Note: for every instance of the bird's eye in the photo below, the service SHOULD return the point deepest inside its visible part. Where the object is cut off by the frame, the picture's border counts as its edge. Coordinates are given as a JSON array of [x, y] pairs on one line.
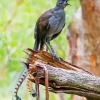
[[60, 2], [65, 2]]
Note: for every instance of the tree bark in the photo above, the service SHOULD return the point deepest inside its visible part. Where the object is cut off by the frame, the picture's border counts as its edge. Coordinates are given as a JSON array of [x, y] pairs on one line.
[[69, 81], [64, 77], [91, 20], [83, 36]]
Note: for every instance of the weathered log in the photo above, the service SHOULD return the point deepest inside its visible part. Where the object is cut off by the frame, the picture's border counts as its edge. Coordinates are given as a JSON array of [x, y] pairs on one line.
[[63, 76], [72, 82]]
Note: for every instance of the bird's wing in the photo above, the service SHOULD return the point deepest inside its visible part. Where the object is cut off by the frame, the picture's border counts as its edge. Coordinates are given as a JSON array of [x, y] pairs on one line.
[[59, 22], [55, 35], [42, 25]]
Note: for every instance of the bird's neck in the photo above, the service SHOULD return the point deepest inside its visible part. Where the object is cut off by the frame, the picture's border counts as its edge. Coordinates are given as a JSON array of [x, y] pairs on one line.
[[58, 7]]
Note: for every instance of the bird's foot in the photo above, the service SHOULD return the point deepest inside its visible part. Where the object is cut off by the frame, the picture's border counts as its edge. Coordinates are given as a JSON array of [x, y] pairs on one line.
[[18, 98], [56, 58]]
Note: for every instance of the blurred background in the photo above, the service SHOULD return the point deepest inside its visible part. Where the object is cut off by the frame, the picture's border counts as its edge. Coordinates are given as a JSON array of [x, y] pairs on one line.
[[17, 22]]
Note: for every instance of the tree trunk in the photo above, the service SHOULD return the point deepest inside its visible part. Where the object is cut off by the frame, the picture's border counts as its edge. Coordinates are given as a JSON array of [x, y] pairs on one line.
[[91, 20], [84, 37]]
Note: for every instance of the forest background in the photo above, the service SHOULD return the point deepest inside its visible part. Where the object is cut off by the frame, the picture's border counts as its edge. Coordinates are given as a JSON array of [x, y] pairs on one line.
[[17, 22]]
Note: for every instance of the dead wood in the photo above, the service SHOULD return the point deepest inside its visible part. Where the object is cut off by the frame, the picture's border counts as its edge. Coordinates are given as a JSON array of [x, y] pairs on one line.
[[63, 76]]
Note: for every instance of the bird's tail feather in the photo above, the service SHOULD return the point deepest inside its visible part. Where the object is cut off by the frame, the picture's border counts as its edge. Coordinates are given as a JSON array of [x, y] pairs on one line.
[[38, 45]]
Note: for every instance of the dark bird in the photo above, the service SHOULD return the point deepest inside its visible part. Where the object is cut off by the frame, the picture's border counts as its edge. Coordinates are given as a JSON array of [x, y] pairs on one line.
[[49, 26]]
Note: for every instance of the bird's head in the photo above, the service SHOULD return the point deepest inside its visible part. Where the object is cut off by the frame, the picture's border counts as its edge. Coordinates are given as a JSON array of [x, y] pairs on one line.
[[62, 3]]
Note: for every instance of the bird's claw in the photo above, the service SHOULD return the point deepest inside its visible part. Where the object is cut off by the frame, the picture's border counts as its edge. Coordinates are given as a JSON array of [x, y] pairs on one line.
[[56, 58]]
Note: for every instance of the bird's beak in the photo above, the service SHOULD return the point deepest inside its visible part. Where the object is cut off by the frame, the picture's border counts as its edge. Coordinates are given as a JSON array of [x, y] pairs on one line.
[[68, 4]]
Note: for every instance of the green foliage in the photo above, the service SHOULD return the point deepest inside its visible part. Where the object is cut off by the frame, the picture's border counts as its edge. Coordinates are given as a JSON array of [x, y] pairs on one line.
[[17, 22]]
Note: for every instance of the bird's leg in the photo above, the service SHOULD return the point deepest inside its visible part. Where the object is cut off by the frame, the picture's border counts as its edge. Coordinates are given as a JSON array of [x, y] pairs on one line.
[[47, 46], [47, 49], [50, 48], [55, 57]]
